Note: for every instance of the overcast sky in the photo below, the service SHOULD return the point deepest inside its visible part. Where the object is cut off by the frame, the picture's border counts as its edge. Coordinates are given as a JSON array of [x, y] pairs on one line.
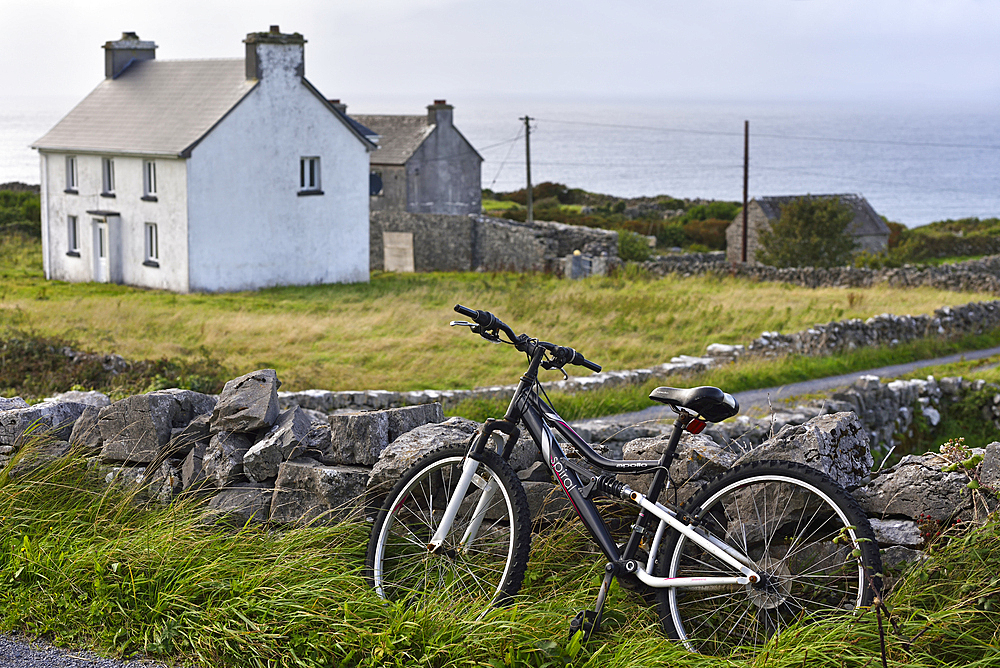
[[361, 50]]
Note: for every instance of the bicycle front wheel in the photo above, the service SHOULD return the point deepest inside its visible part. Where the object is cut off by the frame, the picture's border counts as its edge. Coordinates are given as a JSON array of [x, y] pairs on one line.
[[483, 558], [804, 534]]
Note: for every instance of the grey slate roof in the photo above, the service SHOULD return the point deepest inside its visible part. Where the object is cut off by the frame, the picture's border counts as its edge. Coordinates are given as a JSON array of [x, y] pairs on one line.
[[866, 222], [399, 136], [158, 107]]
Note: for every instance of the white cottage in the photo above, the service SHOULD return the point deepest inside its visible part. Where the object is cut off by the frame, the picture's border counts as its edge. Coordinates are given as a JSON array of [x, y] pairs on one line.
[[206, 175]]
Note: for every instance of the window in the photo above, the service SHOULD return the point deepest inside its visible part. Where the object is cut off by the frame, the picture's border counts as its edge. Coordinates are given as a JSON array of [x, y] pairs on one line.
[[152, 246], [107, 177], [309, 183], [71, 174], [72, 236], [149, 180], [375, 186]]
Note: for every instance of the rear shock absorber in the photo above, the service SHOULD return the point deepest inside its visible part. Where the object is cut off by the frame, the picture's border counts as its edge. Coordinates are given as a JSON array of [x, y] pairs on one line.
[[609, 486]]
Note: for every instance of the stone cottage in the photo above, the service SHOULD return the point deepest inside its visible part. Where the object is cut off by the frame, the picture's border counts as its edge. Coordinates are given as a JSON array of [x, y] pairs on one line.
[[868, 229], [205, 175], [423, 164]]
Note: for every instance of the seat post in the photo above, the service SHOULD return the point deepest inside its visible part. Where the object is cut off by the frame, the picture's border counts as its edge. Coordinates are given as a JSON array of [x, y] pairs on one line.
[[656, 486]]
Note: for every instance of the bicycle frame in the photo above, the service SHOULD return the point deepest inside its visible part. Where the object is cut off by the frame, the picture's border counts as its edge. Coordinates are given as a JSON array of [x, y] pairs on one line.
[[540, 419]]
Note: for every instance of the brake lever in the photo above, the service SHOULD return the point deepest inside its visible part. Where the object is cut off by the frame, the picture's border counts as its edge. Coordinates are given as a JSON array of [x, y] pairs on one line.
[[462, 323]]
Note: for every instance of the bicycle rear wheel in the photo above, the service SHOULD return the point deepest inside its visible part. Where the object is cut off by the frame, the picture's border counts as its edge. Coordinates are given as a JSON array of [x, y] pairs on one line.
[[808, 539], [468, 574]]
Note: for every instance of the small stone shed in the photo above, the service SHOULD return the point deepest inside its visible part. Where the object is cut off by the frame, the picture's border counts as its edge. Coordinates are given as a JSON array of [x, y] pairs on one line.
[[869, 230]]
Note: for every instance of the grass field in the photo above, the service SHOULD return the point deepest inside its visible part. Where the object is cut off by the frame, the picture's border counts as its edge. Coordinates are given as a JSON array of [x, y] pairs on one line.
[[84, 566], [391, 333]]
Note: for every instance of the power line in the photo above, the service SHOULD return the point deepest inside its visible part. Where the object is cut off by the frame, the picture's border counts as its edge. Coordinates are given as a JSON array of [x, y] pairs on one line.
[[889, 142], [504, 161]]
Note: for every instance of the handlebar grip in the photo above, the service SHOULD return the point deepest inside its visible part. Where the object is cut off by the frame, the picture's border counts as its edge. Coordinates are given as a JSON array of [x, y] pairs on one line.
[[467, 312], [570, 356], [580, 360]]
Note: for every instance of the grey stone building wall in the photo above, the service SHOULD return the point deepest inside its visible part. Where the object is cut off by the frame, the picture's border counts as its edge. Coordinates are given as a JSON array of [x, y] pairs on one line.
[[466, 243], [444, 174], [393, 196], [734, 234]]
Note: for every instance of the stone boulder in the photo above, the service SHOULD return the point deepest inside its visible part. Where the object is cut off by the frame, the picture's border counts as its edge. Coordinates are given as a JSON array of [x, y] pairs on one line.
[[90, 398], [86, 434], [240, 505], [37, 457], [409, 447], [307, 491], [12, 403], [357, 439], [248, 403], [184, 439], [54, 419], [697, 461], [917, 488], [223, 460], [547, 502], [192, 471], [836, 444], [897, 532], [137, 429], [408, 418], [990, 472]]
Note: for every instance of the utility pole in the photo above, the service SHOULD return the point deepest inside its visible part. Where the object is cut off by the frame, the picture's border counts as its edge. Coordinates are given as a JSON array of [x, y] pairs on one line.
[[746, 181], [527, 159]]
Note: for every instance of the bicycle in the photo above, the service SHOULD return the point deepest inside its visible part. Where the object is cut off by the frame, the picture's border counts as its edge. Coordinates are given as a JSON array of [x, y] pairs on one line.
[[763, 546]]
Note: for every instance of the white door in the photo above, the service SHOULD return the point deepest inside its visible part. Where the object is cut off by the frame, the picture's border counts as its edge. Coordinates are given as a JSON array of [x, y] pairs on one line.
[[102, 273]]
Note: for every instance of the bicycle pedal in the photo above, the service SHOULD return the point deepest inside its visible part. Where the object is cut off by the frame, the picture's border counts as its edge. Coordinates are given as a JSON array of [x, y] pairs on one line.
[[585, 620]]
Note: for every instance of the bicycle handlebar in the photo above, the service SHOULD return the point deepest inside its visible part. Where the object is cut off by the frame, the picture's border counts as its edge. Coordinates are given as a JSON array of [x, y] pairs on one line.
[[561, 355]]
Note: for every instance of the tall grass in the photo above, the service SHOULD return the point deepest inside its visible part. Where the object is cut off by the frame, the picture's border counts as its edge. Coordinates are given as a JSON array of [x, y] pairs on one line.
[[87, 566], [391, 333]]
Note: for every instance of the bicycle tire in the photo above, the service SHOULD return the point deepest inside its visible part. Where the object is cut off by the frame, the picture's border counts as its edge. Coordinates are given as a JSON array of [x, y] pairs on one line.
[[808, 538], [401, 568]]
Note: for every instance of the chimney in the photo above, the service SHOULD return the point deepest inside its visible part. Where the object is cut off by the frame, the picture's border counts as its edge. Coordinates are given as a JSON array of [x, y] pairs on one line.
[[122, 53], [272, 52], [339, 106], [439, 113]]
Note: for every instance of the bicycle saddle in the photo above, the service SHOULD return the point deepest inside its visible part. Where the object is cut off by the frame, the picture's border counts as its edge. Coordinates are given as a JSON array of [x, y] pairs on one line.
[[709, 402]]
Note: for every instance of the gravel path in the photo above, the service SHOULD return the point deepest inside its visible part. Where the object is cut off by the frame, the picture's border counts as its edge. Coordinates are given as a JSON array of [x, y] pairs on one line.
[[21, 652]]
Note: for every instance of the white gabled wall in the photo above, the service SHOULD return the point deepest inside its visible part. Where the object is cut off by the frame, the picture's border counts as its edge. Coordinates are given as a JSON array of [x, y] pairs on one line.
[[248, 226], [127, 242]]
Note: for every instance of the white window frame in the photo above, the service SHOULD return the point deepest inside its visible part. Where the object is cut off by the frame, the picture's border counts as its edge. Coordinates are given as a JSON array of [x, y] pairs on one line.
[[151, 236], [108, 177], [149, 179], [309, 176], [71, 174], [73, 236]]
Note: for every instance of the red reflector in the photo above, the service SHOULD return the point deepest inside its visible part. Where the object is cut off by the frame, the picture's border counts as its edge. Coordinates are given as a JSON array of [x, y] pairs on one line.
[[695, 426]]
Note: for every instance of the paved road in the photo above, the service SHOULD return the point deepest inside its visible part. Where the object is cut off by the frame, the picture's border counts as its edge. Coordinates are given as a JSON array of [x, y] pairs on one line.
[[759, 398]]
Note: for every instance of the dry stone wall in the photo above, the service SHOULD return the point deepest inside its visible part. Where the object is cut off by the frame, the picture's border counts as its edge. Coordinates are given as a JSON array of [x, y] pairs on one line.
[[477, 242], [820, 339], [982, 275], [254, 461]]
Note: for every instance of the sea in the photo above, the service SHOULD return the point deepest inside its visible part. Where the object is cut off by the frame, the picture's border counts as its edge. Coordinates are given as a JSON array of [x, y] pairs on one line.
[[916, 162]]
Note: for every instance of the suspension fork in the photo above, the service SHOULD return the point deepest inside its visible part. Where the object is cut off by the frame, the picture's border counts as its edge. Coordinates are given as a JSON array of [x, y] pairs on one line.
[[469, 468]]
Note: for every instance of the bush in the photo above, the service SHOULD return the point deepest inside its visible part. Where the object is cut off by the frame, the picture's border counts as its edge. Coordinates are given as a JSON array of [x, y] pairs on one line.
[[811, 232], [713, 210], [19, 207], [633, 247], [710, 232], [672, 234]]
